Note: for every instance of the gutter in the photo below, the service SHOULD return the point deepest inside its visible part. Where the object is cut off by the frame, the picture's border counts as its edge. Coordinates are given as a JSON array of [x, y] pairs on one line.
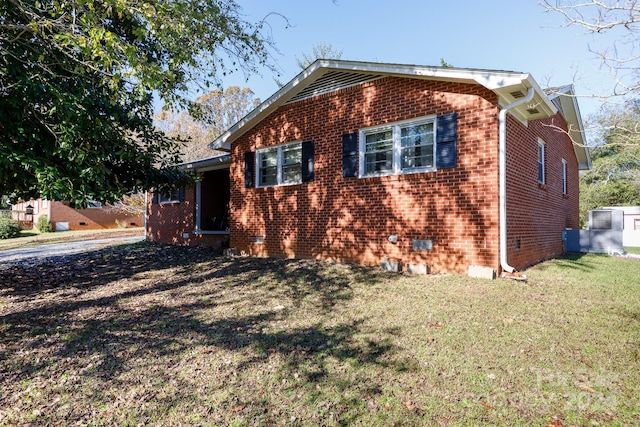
[[502, 119]]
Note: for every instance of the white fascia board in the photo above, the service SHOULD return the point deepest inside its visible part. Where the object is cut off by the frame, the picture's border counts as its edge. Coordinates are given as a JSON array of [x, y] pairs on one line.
[[222, 142], [211, 163], [488, 78], [571, 109], [496, 81]]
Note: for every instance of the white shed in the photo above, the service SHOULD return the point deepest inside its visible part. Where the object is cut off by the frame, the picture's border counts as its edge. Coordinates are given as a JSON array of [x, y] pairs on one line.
[[631, 230]]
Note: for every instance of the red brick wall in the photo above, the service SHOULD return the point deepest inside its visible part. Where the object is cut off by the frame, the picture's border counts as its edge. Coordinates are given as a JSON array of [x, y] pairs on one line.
[[175, 223], [89, 219], [537, 214], [350, 219]]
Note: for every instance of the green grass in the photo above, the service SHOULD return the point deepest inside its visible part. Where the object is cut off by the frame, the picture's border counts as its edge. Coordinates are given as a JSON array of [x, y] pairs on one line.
[[180, 336], [632, 250]]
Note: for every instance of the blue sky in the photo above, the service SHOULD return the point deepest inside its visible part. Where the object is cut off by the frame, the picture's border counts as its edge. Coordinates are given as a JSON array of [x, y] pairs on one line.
[[515, 35]]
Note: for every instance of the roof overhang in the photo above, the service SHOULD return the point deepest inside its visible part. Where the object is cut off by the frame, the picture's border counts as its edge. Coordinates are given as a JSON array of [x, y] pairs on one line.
[[212, 163], [324, 76], [567, 100]]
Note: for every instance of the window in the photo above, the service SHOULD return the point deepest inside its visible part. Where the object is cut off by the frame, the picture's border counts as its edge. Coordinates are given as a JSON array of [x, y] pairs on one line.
[[636, 224], [172, 197], [280, 165], [600, 220], [45, 204], [541, 161], [94, 205], [564, 176], [403, 147]]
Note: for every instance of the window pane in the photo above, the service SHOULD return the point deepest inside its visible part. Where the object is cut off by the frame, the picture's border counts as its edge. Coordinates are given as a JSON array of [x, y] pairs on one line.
[[380, 141], [292, 154], [541, 163], [268, 158], [417, 146], [268, 176], [269, 167], [292, 173], [292, 167], [378, 162], [378, 152], [417, 157], [417, 135]]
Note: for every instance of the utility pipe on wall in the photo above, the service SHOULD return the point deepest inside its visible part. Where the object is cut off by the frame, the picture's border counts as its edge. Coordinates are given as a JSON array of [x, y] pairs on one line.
[[502, 119]]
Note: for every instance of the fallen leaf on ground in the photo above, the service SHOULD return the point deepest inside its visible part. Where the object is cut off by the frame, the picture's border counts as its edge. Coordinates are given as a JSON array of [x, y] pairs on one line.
[[487, 405], [585, 387]]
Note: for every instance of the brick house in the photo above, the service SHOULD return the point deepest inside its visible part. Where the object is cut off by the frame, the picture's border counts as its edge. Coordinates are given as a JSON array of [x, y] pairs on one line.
[[438, 169], [63, 217]]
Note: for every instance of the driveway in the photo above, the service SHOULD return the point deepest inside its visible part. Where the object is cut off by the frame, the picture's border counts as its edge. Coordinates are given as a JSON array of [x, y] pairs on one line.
[[61, 249]]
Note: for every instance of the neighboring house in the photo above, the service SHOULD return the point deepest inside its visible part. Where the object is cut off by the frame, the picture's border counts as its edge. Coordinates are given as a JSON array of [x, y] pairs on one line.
[[631, 224], [64, 218], [436, 168]]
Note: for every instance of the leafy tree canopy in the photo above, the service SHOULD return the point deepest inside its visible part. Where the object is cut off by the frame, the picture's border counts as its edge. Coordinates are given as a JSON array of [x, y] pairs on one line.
[[614, 179], [77, 86], [212, 114]]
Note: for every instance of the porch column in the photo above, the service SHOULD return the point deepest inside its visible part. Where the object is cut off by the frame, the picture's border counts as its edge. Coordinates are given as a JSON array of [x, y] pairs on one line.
[[198, 203]]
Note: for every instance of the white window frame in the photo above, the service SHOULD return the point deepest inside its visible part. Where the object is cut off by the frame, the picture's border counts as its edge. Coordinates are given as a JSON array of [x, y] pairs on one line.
[[94, 205], [396, 129], [173, 197], [540, 163], [280, 166], [564, 177]]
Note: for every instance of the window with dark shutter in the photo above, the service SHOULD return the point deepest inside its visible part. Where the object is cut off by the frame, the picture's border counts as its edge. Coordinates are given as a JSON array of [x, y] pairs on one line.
[[350, 155]]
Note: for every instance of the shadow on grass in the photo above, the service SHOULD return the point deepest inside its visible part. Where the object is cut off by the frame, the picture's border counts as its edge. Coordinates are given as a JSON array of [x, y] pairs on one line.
[[146, 302], [571, 261], [25, 233]]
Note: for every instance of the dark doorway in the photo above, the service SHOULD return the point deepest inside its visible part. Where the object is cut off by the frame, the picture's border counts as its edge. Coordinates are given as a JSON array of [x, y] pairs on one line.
[[214, 207]]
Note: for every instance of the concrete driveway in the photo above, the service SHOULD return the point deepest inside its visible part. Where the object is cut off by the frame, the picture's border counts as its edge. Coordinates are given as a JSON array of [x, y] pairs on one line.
[[61, 249]]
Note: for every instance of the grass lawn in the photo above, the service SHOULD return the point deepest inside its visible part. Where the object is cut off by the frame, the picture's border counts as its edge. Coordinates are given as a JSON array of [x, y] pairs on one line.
[[32, 238], [632, 250], [154, 335]]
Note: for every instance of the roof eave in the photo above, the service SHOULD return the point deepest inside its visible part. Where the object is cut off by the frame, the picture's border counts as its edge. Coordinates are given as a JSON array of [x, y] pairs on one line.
[[503, 83], [210, 163], [571, 111]]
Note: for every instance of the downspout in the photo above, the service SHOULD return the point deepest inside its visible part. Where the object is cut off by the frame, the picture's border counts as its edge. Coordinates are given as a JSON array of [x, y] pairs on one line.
[[502, 119]]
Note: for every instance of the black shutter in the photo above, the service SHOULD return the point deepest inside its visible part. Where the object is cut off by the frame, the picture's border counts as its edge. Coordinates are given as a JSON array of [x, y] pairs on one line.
[[307, 161], [446, 127], [154, 199], [181, 194], [249, 169], [350, 155]]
